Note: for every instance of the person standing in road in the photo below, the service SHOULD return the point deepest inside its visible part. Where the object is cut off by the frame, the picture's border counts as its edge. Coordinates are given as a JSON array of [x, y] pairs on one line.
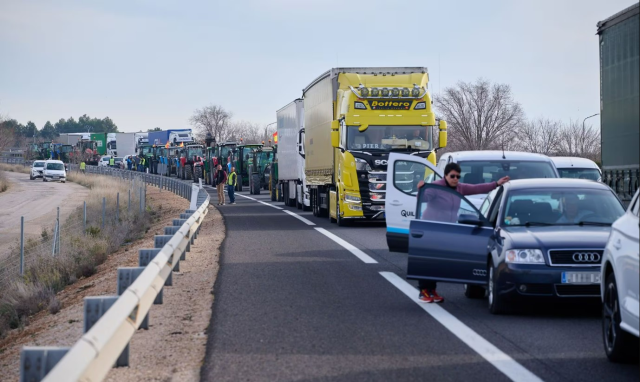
[[83, 166], [232, 182], [443, 207], [221, 179], [112, 162]]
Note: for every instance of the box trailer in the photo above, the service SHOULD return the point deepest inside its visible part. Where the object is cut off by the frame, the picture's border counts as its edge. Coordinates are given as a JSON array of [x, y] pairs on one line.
[[291, 157]]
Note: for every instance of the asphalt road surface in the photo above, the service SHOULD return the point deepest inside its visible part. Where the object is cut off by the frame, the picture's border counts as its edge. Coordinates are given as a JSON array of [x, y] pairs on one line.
[[293, 304]]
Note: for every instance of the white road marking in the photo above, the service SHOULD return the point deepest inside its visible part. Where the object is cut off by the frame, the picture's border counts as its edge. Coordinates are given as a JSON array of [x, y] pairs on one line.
[[484, 348], [268, 204], [306, 221], [358, 253]]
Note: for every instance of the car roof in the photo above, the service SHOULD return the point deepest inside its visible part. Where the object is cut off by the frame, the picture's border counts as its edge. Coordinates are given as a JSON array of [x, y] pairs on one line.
[[567, 162], [53, 161], [497, 155], [522, 184]]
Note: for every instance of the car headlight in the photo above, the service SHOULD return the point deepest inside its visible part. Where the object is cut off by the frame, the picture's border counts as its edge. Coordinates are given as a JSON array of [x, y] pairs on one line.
[[362, 165], [525, 256]]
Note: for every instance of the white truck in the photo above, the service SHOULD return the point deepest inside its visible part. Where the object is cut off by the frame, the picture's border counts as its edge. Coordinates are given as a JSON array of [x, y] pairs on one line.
[[291, 156], [125, 144]]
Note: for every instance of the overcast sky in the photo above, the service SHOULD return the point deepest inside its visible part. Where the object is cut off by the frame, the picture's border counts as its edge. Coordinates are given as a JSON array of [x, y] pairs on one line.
[[148, 63]]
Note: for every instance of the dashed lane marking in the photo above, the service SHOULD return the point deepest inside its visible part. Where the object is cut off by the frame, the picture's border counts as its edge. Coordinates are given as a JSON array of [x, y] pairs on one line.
[[306, 221], [358, 253]]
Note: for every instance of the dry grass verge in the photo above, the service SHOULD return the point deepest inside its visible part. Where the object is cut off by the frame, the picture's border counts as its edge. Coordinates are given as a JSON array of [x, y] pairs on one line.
[[66, 327], [4, 183], [82, 251], [15, 168]]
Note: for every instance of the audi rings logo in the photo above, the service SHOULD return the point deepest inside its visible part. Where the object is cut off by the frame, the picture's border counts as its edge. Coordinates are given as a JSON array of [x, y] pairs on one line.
[[586, 257], [479, 272]]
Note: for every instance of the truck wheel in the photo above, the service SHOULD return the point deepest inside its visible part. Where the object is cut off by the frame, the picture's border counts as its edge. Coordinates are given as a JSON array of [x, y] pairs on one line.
[[255, 180], [339, 220]]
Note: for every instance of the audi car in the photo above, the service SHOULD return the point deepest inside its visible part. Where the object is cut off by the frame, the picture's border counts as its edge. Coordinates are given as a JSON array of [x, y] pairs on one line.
[[530, 239]]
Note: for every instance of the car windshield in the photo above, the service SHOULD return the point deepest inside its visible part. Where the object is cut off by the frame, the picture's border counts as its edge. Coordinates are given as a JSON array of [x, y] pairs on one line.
[[38, 164], [476, 172], [105, 159], [55, 166], [118, 160], [580, 173], [561, 206], [389, 137]]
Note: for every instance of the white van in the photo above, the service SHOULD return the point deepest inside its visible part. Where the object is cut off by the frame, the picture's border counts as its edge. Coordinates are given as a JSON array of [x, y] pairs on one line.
[[405, 171], [54, 171], [576, 167]]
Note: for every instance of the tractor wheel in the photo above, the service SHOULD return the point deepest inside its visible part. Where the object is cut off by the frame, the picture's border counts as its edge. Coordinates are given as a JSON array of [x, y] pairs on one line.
[[198, 174], [255, 180], [188, 172]]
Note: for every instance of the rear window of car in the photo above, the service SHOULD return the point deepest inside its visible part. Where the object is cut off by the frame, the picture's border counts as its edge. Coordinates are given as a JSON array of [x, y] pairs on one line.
[[55, 166], [476, 172], [105, 159]]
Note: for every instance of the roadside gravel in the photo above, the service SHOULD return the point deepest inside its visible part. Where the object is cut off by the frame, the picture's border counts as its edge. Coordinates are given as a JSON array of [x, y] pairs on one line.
[[174, 346]]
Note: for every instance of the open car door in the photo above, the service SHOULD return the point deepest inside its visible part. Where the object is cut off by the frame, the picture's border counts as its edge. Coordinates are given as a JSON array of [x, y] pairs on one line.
[[404, 172], [449, 238]]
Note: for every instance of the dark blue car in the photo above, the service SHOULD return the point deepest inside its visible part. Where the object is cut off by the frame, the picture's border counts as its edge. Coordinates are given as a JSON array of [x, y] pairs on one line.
[[539, 238]]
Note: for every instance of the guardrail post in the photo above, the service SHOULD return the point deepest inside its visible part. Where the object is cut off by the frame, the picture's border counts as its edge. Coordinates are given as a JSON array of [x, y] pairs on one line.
[[94, 308], [146, 255], [172, 231], [21, 245], [126, 277], [117, 207], [160, 241], [37, 361]]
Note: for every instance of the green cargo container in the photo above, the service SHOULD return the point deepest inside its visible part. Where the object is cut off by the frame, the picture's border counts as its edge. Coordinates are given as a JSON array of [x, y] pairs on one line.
[[101, 142], [619, 38]]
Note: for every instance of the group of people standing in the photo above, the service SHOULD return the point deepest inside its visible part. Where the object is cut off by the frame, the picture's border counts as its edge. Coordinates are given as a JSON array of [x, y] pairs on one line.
[[223, 179]]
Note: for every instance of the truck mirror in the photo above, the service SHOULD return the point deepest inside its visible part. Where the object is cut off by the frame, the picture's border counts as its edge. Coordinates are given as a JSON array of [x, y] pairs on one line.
[[442, 135], [363, 128], [335, 138]]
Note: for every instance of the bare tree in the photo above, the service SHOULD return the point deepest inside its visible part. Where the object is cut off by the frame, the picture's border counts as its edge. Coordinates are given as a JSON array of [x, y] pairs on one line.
[[577, 139], [212, 119], [249, 132], [540, 136], [7, 134], [480, 115]]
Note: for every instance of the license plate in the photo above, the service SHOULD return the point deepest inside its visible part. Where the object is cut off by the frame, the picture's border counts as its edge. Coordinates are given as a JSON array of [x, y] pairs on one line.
[[581, 277]]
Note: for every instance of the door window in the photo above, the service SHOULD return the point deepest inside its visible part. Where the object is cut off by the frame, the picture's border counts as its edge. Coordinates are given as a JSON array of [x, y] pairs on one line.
[[442, 204], [407, 174], [634, 209]]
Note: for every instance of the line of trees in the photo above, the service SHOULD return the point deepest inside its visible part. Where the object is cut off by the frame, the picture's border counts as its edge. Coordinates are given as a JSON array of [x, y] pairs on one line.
[[218, 122], [485, 116]]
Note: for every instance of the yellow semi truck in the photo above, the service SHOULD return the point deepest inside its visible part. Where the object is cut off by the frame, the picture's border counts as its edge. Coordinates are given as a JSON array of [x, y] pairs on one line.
[[353, 119]]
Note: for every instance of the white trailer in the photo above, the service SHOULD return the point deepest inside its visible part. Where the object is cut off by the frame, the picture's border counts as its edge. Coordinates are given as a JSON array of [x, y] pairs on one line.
[[291, 156], [125, 144]]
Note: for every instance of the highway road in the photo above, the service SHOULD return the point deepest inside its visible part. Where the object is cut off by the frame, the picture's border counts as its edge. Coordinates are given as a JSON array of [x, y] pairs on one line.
[[293, 301]]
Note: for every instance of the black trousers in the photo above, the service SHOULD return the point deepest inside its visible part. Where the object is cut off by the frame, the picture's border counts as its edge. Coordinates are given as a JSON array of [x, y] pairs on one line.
[[427, 284]]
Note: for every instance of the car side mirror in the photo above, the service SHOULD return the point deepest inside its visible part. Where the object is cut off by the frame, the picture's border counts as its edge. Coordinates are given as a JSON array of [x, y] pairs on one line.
[[470, 220]]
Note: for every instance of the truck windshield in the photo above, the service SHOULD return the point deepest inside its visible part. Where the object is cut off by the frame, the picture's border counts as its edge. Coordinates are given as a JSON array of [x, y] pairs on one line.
[[147, 150], [476, 172], [390, 137], [195, 151]]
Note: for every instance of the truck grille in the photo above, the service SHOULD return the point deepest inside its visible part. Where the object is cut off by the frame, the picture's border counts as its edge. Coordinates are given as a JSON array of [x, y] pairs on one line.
[[580, 257], [578, 290]]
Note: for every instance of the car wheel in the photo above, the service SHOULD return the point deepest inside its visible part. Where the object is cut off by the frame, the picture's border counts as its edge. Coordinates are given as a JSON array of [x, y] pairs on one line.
[[43, 179], [31, 177], [474, 291], [620, 346], [496, 303]]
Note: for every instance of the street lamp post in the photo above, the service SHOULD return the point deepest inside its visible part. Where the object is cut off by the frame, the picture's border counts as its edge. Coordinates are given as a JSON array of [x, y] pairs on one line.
[[588, 118]]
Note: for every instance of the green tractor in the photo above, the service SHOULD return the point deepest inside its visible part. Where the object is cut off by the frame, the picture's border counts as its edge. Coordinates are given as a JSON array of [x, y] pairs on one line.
[[147, 152], [260, 167]]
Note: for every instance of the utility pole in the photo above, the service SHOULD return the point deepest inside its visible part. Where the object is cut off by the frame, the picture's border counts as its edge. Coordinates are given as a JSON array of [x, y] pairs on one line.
[[588, 118]]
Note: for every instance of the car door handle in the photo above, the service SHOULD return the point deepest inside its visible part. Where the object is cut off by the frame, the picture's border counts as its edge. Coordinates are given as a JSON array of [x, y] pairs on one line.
[[395, 203], [417, 234]]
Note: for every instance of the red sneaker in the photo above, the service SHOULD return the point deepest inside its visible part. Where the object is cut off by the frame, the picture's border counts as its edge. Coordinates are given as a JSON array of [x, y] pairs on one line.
[[425, 296], [436, 297]]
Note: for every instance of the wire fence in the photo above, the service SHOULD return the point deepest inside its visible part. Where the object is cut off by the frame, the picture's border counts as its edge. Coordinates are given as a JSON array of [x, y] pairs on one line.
[[52, 235]]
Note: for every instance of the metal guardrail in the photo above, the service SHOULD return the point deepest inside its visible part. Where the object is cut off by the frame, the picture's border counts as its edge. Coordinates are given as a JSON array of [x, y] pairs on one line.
[[105, 342], [623, 182]]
